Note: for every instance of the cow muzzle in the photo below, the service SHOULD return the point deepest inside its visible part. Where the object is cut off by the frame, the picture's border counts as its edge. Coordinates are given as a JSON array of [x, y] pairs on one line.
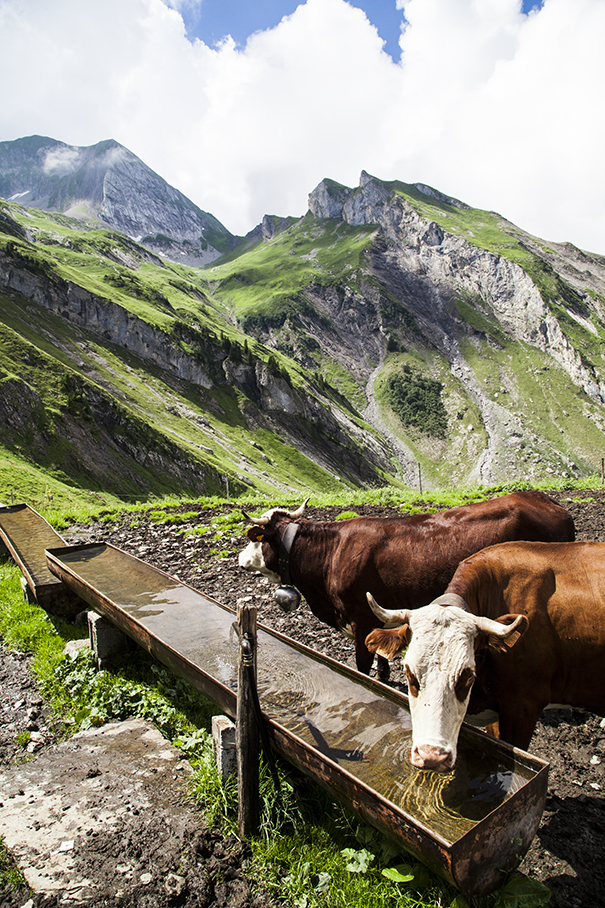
[[430, 756]]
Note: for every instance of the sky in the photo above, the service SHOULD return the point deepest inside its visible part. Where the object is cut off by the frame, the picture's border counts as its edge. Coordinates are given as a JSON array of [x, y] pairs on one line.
[[246, 105]]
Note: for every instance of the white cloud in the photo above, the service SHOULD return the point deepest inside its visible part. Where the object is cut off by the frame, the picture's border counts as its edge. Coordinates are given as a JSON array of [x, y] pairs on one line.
[[61, 161], [500, 109]]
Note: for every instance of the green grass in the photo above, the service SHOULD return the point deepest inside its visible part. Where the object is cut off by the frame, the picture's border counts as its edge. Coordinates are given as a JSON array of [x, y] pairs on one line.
[[268, 281], [444, 462], [170, 419], [205, 423], [11, 878]]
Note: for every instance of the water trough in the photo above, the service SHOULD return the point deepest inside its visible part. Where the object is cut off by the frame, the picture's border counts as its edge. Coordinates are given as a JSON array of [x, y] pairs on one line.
[[348, 732], [26, 534]]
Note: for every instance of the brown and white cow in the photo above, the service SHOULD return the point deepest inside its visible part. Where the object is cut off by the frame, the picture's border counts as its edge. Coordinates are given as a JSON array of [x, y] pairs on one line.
[[520, 626], [403, 561]]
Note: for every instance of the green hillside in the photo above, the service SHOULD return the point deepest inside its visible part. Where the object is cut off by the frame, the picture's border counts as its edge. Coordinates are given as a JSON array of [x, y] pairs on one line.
[[335, 354], [78, 394]]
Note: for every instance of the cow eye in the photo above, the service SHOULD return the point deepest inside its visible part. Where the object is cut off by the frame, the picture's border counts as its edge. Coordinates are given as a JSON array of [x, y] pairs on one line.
[[413, 683], [464, 684]]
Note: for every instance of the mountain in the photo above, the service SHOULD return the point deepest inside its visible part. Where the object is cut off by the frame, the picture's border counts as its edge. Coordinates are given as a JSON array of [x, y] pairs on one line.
[[107, 184], [391, 334]]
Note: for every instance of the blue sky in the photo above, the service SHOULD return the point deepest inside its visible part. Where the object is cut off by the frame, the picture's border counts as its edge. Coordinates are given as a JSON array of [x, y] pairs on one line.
[[494, 103], [215, 19], [240, 18]]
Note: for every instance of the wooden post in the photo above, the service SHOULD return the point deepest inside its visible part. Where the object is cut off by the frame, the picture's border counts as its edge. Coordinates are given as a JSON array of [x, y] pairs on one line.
[[420, 479], [246, 729], [602, 470]]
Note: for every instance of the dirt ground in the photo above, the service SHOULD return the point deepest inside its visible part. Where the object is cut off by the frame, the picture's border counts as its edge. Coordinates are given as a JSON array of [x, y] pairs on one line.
[[568, 849]]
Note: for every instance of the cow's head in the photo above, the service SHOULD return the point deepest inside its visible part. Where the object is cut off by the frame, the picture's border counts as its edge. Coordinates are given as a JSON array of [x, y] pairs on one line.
[[264, 531], [441, 640]]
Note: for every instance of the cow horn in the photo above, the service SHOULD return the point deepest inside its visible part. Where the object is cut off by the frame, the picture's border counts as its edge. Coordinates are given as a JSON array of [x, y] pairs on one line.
[[507, 633], [390, 618], [299, 511], [258, 521], [265, 518]]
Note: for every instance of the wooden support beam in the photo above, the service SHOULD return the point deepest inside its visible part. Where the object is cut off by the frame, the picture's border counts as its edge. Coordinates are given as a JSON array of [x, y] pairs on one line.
[[246, 727]]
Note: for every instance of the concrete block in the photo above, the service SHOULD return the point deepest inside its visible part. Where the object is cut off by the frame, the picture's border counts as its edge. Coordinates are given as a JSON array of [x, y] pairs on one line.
[[223, 740], [106, 640]]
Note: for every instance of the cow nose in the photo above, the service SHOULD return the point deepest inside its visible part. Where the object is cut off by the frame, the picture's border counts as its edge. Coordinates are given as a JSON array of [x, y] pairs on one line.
[[429, 756]]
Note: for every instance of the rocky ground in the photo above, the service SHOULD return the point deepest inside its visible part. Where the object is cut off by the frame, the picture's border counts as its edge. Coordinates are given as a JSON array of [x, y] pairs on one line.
[[567, 852]]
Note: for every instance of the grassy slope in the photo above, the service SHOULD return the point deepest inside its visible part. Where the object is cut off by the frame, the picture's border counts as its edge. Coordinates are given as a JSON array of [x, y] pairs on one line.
[[206, 424], [269, 278], [267, 282]]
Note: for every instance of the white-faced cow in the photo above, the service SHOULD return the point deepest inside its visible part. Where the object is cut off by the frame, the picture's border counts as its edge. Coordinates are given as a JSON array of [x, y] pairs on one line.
[[404, 561], [521, 626]]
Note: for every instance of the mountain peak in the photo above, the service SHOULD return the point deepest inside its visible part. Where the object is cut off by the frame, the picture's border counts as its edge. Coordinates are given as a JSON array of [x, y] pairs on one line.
[[108, 184]]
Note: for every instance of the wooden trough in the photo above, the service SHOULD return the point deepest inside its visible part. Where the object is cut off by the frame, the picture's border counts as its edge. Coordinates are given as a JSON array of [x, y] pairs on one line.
[[26, 534], [349, 733]]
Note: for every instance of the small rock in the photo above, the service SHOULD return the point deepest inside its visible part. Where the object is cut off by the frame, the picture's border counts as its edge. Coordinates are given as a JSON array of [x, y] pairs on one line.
[[174, 884], [124, 868], [64, 846], [73, 647]]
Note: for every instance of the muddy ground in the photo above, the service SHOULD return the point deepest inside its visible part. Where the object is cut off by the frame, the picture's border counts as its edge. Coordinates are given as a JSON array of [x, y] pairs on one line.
[[566, 855]]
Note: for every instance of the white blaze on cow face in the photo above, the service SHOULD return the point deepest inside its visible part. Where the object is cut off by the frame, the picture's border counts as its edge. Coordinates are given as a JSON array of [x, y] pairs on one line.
[[440, 666], [251, 559]]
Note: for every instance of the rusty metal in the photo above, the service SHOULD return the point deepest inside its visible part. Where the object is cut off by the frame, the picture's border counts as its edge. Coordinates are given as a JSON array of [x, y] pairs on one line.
[[26, 534], [346, 731]]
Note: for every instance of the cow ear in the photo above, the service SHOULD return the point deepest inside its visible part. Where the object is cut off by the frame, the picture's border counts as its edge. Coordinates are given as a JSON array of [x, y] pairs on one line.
[[389, 643], [258, 534], [503, 638]]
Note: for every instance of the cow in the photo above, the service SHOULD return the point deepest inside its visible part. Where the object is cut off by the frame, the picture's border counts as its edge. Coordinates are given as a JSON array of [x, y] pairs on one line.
[[404, 561], [520, 626]]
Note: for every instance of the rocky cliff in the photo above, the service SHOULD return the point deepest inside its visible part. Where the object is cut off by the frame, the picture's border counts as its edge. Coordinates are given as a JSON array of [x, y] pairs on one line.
[[447, 265], [463, 298]]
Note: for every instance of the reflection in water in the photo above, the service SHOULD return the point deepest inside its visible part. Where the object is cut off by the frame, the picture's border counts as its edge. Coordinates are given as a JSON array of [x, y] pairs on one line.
[[365, 732], [332, 753]]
